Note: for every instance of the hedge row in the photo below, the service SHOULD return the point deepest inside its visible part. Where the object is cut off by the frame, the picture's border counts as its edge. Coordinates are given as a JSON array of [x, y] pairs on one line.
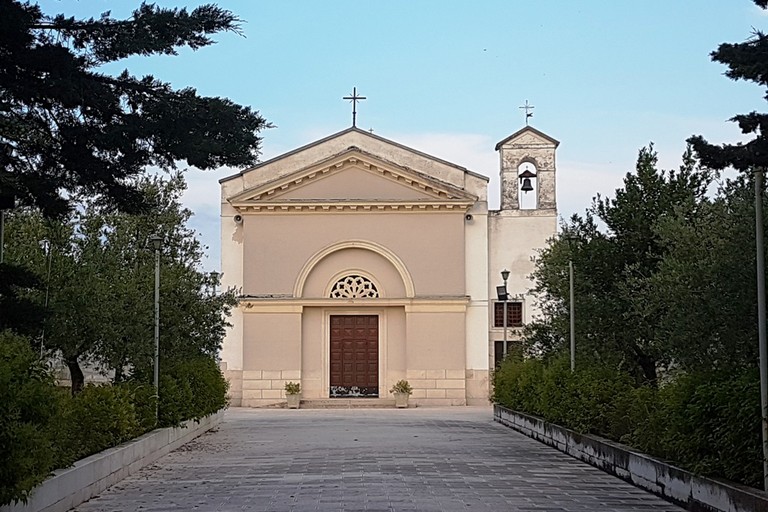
[[43, 428], [708, 423]]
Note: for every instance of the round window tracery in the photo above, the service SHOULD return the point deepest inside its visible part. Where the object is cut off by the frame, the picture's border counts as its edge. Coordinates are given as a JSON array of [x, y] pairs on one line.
[[354, 287]]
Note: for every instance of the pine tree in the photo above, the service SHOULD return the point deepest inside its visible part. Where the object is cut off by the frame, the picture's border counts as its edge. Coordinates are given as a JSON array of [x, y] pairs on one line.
[[745, 61], [68, 129]]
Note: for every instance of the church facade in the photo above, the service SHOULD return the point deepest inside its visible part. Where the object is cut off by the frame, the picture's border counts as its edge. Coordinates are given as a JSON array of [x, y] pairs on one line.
[[360, 262]]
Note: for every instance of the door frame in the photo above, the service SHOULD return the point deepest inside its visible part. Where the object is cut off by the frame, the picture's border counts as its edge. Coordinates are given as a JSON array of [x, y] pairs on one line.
[[326, 326]]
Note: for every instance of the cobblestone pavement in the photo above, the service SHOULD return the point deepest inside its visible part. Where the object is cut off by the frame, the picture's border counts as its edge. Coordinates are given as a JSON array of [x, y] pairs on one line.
[[442, 459]]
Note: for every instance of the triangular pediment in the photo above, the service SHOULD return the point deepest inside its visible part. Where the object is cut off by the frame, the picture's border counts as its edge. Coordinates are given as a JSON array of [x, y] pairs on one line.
[[528, 136], [349, 180]]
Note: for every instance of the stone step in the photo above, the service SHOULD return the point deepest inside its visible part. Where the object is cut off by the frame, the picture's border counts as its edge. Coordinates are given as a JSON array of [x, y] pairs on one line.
[[348, 403]]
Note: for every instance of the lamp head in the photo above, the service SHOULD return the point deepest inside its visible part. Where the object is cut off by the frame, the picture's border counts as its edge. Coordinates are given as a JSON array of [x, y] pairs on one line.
[[156, 241], [505, 274]]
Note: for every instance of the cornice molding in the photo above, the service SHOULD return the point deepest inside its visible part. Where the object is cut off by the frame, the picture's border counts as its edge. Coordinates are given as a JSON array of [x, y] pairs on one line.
[[352, 206], [295, 305]]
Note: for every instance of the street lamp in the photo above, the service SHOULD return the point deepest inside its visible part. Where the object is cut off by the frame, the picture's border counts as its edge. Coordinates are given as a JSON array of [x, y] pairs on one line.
[[503, 296], [157, 242], [46, 245], [215, 278]]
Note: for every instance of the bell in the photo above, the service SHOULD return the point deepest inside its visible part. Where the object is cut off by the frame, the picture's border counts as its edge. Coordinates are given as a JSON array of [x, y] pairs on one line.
[[527, 187]]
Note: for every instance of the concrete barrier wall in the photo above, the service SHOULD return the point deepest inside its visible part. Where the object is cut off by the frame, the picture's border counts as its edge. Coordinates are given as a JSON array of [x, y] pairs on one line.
[[88, 477], [669, 482]]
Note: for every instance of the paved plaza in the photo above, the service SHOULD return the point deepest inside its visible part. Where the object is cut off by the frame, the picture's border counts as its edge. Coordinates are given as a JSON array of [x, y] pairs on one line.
[[440, 459]]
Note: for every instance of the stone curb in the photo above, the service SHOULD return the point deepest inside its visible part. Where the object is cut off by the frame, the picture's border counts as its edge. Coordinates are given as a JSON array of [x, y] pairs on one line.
[[69, 487], [677, 485]]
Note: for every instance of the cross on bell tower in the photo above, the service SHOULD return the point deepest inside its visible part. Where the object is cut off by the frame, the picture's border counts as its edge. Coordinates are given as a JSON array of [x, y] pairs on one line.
[[527, 109]]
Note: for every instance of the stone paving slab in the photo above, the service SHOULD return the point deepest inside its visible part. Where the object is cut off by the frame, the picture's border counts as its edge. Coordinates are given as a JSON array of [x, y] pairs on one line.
[[441, 459]]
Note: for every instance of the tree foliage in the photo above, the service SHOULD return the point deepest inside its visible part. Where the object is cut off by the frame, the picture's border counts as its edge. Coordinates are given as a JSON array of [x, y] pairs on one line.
[[100, 287], [68, 130], [616, 249], [703, 294]]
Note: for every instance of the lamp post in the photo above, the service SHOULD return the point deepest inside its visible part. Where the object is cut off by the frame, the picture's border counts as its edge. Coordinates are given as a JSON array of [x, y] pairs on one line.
[[505, 276], [573, 317], [572, 239], [157, 242], [46, 244], [761, 337]]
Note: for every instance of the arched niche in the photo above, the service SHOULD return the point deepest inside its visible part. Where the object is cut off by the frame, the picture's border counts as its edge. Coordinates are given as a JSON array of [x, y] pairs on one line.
[[527, 173], [354, 258]]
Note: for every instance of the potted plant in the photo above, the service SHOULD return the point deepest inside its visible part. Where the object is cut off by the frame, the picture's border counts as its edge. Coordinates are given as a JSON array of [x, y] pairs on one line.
[[293, 394], [402, 390]]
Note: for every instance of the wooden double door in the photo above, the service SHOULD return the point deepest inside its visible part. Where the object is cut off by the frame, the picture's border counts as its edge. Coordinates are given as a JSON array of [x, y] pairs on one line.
[[354, 356]]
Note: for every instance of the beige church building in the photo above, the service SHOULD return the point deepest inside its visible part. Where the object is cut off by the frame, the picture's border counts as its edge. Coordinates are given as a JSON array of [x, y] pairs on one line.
[[360, 262]]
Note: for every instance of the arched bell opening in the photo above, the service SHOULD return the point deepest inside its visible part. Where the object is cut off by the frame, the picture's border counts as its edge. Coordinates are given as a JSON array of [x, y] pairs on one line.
[[528, 191]]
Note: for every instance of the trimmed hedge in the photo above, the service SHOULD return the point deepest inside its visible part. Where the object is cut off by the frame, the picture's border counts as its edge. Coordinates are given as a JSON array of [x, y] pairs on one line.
[[43, 428], [28, 405], [100, 417], [191, 390], [708, 423]]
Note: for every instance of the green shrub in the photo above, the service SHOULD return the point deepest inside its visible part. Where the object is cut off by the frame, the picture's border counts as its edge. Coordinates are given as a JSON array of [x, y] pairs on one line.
[[28, 405], [191, 390], [144, 402], [707, 423], [596, 390], [516, 384], [97, 418], [581, 400], [636, 420], [401, 386], [713, 425], [43, 427]]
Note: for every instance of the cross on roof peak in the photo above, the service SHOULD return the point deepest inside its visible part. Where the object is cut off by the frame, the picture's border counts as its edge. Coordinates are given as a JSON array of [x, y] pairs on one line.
[[354, 98]]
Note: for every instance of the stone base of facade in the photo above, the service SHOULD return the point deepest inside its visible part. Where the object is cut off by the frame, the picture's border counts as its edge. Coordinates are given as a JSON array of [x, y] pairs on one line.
[[437, 387], [431, 388], [235, 380], [478, 387]]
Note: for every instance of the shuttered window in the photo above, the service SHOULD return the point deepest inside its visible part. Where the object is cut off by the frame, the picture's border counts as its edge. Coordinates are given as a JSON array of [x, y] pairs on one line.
[[514, 314]]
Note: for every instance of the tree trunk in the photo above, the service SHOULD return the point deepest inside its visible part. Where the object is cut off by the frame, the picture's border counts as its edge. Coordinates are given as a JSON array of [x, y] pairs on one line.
[[648, 365], [75, 374], [118, 375]]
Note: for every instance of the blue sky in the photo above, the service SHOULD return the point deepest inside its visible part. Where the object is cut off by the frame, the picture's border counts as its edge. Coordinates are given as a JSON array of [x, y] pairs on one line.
[[447, 77]]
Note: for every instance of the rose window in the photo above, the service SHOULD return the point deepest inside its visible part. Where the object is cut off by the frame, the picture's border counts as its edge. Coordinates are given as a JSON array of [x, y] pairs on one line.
[[354, 287]]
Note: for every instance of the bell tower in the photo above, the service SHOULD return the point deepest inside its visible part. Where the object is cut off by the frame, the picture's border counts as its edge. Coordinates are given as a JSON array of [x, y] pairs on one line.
[[523, 226], [527, 160]]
